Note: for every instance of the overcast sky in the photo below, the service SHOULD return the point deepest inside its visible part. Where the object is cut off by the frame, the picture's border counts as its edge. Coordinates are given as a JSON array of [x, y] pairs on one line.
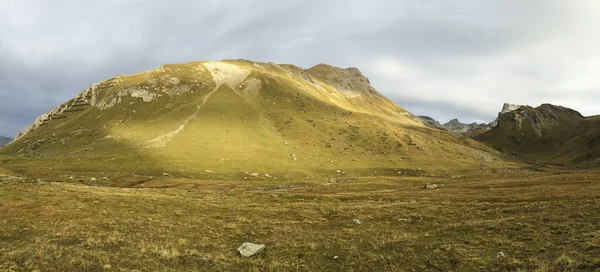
[[445, 59]]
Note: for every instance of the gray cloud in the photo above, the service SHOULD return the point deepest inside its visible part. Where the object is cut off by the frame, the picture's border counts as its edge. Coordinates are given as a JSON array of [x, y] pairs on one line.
[[445, 59]]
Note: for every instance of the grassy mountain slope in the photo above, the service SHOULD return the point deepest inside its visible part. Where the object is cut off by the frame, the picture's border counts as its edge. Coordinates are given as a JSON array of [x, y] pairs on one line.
[[233, 118], [547, 133], [583, 147]]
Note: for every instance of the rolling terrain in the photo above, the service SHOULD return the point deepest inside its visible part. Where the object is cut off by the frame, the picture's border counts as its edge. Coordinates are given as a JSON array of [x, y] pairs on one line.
[[519, 220]]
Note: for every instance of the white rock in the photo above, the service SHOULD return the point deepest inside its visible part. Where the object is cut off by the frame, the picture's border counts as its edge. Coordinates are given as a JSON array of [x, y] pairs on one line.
[[356, 221], [165, 174], [250, 249], [431, 186], [93, 179], [255, 175], [500, 255]]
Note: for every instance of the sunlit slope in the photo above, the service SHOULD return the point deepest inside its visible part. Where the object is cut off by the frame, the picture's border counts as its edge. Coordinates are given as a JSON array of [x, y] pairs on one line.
[[238, 117]]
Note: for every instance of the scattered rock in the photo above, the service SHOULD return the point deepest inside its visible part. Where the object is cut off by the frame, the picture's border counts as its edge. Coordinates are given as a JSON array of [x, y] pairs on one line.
[[250, 249], [104, 178], [338, 171], [500, 255], [403, 220], [267, 175], [165, 174], [335, 257], [431, 186], [93, 179], [255, 175], [356, 221], [209, 171], [293, 157]]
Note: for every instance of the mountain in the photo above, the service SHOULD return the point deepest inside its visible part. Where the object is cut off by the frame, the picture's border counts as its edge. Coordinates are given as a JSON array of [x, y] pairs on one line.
[[547, 133], [457, 127], [430, 121], [227, 119], [472, 129], [453, 125], [4, 141]]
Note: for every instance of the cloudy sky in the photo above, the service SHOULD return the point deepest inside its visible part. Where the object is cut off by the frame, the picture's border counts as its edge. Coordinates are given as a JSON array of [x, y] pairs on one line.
[[445, 59]]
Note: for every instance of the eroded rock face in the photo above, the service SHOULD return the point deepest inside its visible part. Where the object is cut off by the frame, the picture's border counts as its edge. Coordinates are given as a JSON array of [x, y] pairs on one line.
[[509, 107], [350, 81]]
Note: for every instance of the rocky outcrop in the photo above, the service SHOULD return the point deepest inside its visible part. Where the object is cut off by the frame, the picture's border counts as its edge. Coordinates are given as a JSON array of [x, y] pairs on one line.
[[432, 122], [508, 108], [350, 81]]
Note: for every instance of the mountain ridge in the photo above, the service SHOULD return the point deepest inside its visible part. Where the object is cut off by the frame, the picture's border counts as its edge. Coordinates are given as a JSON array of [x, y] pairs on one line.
[[227, 119], [547, 133]]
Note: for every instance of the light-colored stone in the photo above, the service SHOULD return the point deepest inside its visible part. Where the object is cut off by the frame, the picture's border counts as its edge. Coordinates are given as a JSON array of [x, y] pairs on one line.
[[255, 175], [250, 249], [431, 186], [356, 221]]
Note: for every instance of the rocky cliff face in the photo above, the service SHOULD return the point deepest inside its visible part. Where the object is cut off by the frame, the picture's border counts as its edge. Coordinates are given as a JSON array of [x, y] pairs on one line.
[[430, 121]]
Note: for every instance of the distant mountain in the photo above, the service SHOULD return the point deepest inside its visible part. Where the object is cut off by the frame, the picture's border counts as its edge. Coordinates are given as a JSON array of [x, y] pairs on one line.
[[432, 122], [4, 141], [453, 125], [468, 129], [546, 133], [457, 127]]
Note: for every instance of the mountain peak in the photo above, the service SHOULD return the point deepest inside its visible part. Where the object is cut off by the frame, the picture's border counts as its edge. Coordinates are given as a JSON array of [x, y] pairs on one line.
[[507, 107]]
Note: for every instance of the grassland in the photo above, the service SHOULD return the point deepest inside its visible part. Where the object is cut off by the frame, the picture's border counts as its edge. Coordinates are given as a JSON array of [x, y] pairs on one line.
[[542, 220]]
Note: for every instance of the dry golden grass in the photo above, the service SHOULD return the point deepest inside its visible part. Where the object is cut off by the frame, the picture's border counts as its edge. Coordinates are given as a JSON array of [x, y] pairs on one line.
[[541, 221]]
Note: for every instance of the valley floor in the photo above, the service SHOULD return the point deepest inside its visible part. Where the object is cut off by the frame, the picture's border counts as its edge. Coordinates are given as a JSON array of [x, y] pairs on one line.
[[540, 221]]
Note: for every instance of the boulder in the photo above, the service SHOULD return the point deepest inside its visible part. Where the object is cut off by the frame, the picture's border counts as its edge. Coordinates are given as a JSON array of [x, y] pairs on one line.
[[250, 249]]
